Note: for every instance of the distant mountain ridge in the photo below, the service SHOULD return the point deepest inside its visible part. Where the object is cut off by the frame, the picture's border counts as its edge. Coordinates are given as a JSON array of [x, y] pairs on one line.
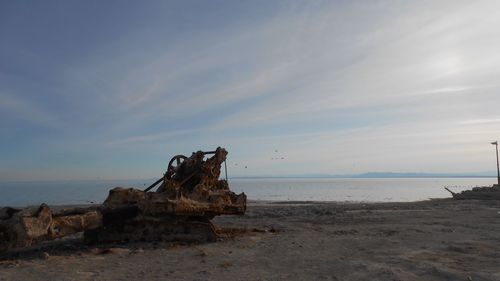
[[424, 175], [382, 175]]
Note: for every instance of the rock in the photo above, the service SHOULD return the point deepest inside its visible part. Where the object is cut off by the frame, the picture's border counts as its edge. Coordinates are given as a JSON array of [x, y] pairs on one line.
[[45, 255]]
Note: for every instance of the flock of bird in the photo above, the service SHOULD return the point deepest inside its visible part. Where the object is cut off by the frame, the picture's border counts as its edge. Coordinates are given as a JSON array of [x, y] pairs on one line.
[[272, 158]]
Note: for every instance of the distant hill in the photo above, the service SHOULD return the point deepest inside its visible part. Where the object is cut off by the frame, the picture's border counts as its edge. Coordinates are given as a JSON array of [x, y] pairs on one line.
[[383, 175], [424, 175]]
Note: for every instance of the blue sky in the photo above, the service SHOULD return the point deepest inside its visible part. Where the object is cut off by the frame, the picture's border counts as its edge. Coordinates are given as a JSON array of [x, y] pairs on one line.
[[113, 89]]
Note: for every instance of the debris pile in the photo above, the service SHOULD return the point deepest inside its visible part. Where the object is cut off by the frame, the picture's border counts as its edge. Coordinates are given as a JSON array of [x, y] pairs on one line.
[[479, 192], [189, 195]]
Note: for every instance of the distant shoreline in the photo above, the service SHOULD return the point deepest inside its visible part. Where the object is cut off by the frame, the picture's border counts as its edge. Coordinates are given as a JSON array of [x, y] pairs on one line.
[[360, 176]]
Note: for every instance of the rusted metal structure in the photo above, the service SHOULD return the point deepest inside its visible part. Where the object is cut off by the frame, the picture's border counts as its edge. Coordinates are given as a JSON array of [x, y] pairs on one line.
[[189, 195]]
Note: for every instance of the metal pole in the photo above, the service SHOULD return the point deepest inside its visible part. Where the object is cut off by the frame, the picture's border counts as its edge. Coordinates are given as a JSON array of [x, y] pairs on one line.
[[153, 185], [225, 168], [495, 143], [498, 167]]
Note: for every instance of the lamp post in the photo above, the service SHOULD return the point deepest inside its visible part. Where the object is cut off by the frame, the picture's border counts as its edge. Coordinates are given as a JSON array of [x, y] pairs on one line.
[[498, 168]]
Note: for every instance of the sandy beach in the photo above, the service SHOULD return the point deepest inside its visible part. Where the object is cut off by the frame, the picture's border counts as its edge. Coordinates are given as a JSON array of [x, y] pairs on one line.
[[429, 240]]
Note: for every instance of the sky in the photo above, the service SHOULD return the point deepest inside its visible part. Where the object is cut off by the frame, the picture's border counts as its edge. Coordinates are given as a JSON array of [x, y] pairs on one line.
[[114, 89]]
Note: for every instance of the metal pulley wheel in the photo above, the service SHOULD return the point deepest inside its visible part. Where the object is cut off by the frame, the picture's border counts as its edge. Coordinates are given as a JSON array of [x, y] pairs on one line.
[[174, 164]]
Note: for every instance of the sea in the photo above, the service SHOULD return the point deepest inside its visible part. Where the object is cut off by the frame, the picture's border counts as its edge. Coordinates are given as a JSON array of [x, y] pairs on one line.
[[18, 194]]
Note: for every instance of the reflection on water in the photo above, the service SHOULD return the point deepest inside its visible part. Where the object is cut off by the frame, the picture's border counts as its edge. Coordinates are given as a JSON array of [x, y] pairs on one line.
[[275, 189]]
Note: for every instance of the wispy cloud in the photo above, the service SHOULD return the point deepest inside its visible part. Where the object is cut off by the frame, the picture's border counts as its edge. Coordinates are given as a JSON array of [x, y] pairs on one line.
[[19, 108], [480, 121], [334, 84], [148, 138]]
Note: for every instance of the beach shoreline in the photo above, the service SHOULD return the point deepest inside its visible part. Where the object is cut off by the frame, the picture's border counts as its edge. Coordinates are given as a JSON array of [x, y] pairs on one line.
[[441, 239]]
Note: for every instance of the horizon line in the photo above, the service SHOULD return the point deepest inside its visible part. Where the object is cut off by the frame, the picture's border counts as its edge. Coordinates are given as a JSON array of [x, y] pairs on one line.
[[366, 175]]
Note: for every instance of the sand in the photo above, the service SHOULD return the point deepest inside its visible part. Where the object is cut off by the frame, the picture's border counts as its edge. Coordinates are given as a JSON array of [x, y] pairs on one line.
[[430, 240]]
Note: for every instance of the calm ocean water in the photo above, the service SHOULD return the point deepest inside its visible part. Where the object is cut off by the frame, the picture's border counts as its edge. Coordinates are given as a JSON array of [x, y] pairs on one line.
[[275, 189]]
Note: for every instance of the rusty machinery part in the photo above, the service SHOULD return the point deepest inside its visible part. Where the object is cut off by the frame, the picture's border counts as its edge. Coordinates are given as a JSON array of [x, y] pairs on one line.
[[178, 159], [171, 168], [174, 164], [180, 210]]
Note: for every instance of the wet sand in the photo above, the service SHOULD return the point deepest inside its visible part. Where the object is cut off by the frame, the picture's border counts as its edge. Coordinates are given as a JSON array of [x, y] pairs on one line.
[[429, 240]]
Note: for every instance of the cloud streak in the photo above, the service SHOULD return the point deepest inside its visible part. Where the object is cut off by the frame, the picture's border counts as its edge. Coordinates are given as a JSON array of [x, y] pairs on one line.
[[19, 108], [318, 79]]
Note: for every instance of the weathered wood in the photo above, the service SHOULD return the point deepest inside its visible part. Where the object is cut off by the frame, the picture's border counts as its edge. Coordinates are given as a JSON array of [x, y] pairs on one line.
[[452, 193], [30, 226]]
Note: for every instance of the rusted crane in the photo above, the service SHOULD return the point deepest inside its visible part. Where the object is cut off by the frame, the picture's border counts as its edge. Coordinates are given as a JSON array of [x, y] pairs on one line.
[[189, 195]]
